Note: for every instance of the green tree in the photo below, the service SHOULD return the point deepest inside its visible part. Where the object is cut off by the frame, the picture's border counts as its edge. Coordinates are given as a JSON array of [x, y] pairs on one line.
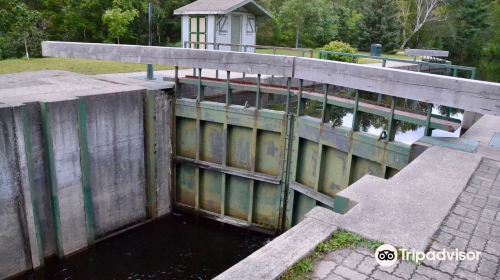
[[119, 17], [347, 22], [469, 20], [21, 29], [491, 55], [310, 23], [82, 20], [379, 25]]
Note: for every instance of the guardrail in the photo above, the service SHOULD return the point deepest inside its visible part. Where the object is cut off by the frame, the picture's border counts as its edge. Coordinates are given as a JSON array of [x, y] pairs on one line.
[[471, 95], [454, 69], [248, 48]]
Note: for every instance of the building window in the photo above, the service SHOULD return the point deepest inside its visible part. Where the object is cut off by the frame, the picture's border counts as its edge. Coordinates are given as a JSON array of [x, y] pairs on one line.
[[251, 25], [198, 32], [222, 25]]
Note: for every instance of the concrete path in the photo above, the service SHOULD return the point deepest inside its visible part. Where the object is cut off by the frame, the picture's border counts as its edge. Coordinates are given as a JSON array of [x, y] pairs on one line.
[[472, 225]]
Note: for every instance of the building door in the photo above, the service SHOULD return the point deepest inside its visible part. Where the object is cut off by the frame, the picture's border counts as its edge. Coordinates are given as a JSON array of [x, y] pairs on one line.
[[198, 32], [235, 32]]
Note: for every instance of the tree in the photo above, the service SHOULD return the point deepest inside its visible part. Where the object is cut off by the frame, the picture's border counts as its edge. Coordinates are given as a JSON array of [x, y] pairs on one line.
[[310, 23], [347, 21], [491, 56], [118, 19], [470, 26], [21, 29], [414, 14], [82, 20], [379, 25]]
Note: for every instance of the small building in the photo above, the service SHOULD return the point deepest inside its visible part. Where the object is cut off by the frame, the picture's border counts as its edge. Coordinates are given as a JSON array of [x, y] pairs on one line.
[[208, 23]]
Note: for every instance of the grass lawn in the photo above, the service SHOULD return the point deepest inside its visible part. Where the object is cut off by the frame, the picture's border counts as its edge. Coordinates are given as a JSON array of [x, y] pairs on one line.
[[74, 65]]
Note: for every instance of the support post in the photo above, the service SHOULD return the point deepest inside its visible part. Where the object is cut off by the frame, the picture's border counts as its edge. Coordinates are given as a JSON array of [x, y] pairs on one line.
[[258, 93], [31, 182], [85, 168], [325, 104], [428, 130], [51, 175], [228, 88], [200, 87], [391, 131], [150, 39], [301, 104], [150, 130]]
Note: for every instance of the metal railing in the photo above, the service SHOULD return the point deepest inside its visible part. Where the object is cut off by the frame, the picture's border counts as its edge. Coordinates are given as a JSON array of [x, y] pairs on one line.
[[249, 48], [454, 69], [475, 96]]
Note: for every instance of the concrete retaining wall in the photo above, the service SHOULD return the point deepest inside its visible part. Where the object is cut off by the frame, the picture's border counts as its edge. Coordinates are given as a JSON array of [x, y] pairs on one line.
[[14, 256], [60, 130], [116, 156], [74, 169]]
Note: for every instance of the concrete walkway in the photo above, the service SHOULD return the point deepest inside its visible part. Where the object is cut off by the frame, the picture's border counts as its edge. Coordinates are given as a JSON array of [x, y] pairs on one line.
[[472, 225]]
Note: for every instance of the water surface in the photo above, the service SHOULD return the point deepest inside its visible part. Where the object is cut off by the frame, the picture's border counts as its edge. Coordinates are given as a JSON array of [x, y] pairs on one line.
[[174, 247]]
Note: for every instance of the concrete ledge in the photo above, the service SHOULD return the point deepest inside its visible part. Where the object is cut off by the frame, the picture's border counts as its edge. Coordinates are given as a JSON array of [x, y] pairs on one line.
[[279, 255], [407, 210]]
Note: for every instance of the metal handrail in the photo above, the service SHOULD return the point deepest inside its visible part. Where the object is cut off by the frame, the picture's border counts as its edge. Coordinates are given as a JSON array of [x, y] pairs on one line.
[[473, 70], [245, 47]]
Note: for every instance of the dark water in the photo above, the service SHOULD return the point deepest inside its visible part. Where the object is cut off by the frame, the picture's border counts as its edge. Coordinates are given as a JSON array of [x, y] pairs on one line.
[[174, 247]]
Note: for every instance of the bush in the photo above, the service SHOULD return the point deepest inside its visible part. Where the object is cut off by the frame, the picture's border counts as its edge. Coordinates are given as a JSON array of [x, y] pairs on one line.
[[341, 47]]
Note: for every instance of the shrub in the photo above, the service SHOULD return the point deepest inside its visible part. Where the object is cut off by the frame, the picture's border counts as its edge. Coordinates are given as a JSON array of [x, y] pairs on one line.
[[341, 47]]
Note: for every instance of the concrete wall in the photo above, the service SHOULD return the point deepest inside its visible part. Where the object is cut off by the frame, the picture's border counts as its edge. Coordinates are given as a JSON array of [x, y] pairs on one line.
[[164, 116], [38, 173], [44, 150], [116, 156], [61, 133], [14, 254]]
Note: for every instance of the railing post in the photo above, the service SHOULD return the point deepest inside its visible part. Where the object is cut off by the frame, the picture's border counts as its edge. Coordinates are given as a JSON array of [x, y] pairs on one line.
[[428, 130], [473, 73], [289, 94], [178, 92], [384, 62], [391, 131], [355, 113], [300, 101], [257, 93], [325, 99], [228, 88], [200, 87]]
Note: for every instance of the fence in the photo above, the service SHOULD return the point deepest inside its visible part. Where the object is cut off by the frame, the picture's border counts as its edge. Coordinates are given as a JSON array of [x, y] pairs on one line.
[[455, 70], [250, 48]]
